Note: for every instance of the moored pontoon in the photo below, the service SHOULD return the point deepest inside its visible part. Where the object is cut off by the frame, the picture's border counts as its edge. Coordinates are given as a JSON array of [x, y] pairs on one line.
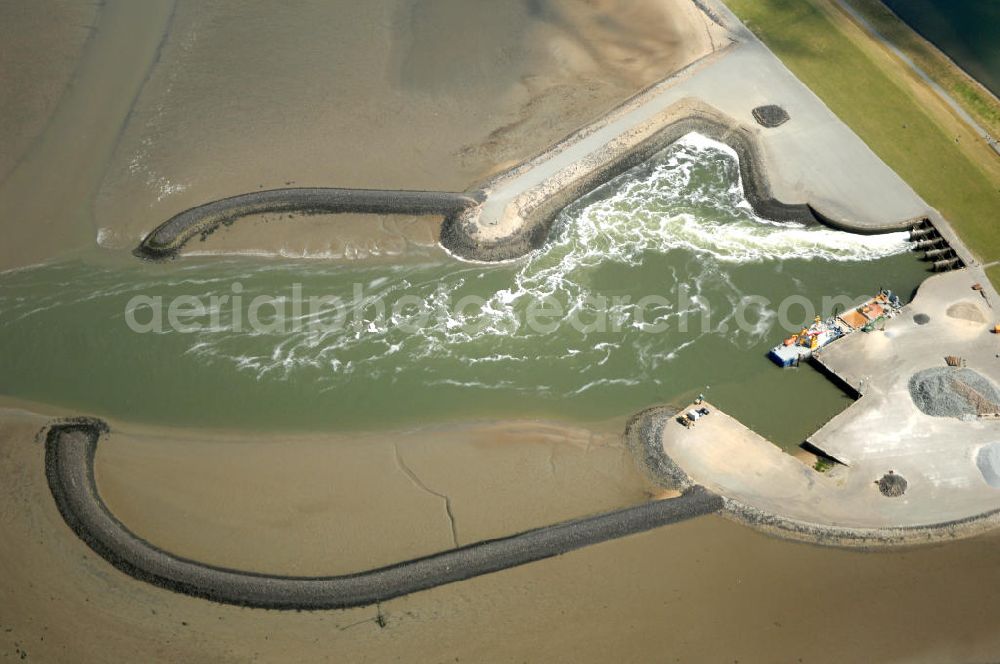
[[801, 346]]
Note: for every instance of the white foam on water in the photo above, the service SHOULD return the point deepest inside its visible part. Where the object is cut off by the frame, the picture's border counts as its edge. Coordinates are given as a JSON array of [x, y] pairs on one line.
[[666, 208], [691, 199], [688, 201], [104, 237]]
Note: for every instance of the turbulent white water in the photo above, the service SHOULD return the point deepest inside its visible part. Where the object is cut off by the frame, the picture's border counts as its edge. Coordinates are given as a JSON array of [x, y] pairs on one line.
[[679, 204], [661, 264], [682, 202], [690, 200]]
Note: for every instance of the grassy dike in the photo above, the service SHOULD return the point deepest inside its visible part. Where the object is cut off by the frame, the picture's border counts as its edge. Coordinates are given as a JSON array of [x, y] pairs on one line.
[[972, 95], [904, 122]]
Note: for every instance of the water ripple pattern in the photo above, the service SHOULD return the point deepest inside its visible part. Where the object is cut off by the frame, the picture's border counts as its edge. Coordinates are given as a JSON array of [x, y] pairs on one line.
[[645, 270]]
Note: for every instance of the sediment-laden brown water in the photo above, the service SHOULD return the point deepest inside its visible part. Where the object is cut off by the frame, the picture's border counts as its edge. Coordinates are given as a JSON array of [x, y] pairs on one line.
[[413, 95]]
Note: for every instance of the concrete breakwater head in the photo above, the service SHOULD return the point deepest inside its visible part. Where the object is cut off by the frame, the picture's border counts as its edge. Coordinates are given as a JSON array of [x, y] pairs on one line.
[[170, 236], [70, 448], [766, 489]]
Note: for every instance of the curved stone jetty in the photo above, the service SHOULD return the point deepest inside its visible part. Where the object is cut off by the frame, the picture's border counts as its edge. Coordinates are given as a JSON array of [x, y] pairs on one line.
[[812, 168], [521, 205], [170, 236], [70, 448]]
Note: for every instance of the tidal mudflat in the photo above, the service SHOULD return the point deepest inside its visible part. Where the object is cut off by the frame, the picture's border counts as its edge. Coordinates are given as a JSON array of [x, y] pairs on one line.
[[249, 450], [726, 591]]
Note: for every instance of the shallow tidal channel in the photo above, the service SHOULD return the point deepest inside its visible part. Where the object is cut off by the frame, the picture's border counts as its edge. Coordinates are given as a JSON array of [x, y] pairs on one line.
[[661, 285]]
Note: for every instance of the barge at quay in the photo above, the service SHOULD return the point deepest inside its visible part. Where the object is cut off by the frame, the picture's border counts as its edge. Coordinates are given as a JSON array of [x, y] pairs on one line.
[[802, 345]]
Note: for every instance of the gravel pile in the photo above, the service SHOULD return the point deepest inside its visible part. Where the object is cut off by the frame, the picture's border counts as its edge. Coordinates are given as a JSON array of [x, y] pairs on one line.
[[892, 485], [948, 392], [770, 115], [966, 311]]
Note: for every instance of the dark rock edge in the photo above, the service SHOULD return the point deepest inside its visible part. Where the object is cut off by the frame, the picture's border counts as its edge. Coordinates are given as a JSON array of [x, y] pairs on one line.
[[70, 448], [460, 210], [167, 239], [458, 234]]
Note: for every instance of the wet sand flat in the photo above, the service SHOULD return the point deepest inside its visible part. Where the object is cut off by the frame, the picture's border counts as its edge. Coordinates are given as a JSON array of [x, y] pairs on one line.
[[326, 237], [707, 589], [407, 94], [47, 201], [40, 43], [335, 504]]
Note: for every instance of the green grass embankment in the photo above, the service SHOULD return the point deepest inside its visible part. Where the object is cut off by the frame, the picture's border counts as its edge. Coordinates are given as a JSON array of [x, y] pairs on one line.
[[873, 95]]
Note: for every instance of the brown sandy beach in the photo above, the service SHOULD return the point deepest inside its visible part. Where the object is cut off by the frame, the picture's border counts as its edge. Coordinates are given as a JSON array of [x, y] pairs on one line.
[[40, 45], [413, 95], [337, 94], [335, 504], [705, 589], [47, 199]]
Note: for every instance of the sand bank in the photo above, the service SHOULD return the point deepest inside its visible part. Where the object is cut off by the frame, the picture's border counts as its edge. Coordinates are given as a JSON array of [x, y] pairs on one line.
[[771, 600], [47, 200], [327, 504], [40, 44], [411, 100], [72, 446], [810, 168]]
